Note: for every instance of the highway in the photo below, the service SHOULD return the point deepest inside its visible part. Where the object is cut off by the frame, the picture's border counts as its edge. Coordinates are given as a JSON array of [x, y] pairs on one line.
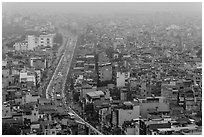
[[55, 88], [51, 81]]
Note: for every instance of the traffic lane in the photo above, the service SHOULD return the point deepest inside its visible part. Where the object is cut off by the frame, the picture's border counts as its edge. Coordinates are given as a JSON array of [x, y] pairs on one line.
[[58, 81], [47, 90], [59, 104], [67, 64], [59, 74]]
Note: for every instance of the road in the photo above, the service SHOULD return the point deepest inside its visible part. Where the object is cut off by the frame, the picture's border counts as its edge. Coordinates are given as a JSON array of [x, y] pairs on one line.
[[55, 88], [54, 75], [57, 81], [77, 117]]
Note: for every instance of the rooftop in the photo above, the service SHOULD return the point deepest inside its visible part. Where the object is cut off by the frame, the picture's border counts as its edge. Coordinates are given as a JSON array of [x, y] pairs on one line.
[[95, 94]]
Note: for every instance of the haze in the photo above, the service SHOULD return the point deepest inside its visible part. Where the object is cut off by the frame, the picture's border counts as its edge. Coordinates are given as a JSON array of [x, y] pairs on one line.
[[102, 7]]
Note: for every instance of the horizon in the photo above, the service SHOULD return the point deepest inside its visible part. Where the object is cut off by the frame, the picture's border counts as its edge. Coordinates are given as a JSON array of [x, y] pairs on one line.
[[102, 7]]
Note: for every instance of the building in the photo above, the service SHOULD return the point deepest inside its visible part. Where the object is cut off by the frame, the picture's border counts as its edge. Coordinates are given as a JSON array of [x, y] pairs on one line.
[[31, 97], [46, 40], [124, 94], [126, 111], [79, 65], [52, 131], [132, 127], [105, 72], [30, 112], [4, 63], [21, 46], [170, 91], [89, 62], [95, 95], [32, 42], [15, 71], [153, 104], [86, 88], [143, 92], [5, 82], [105, 113], [5, 72], [39, 76], [27, 76], [122, 78], [102, 58], [153, 125], [38, 63], [6, 110]]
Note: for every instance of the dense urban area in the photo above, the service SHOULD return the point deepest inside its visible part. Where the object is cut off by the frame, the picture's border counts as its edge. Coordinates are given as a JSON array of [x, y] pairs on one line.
[[66, 74]]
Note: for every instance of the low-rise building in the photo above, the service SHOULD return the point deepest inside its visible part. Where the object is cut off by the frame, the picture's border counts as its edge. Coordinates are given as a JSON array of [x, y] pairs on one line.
[[132, 127], [6, 110], [153, 104], [5, 72], [21, 46], [4, 63], [38, 63], [126, 111], [30, 112], [31, 97], [27, 76], [95, 95], [86, 88]]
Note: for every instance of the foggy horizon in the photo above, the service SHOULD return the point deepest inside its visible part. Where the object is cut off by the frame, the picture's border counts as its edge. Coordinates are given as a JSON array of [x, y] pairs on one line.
[[102, 68], [102, 7]]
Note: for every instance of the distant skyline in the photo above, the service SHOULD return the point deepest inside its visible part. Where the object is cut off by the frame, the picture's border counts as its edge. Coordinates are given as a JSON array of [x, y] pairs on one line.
[[102, 7]]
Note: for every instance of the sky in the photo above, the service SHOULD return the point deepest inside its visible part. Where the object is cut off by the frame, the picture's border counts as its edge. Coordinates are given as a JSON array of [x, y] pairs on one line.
[[103, 7]]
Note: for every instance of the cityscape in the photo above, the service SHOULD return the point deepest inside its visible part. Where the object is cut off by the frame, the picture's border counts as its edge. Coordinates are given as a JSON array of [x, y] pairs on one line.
[[102, 68]]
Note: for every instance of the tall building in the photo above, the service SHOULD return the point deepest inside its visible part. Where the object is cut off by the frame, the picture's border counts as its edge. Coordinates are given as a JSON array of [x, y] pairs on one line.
[[122, 78], [32, 42], [105, 72], [126, 111], [42, 40]]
